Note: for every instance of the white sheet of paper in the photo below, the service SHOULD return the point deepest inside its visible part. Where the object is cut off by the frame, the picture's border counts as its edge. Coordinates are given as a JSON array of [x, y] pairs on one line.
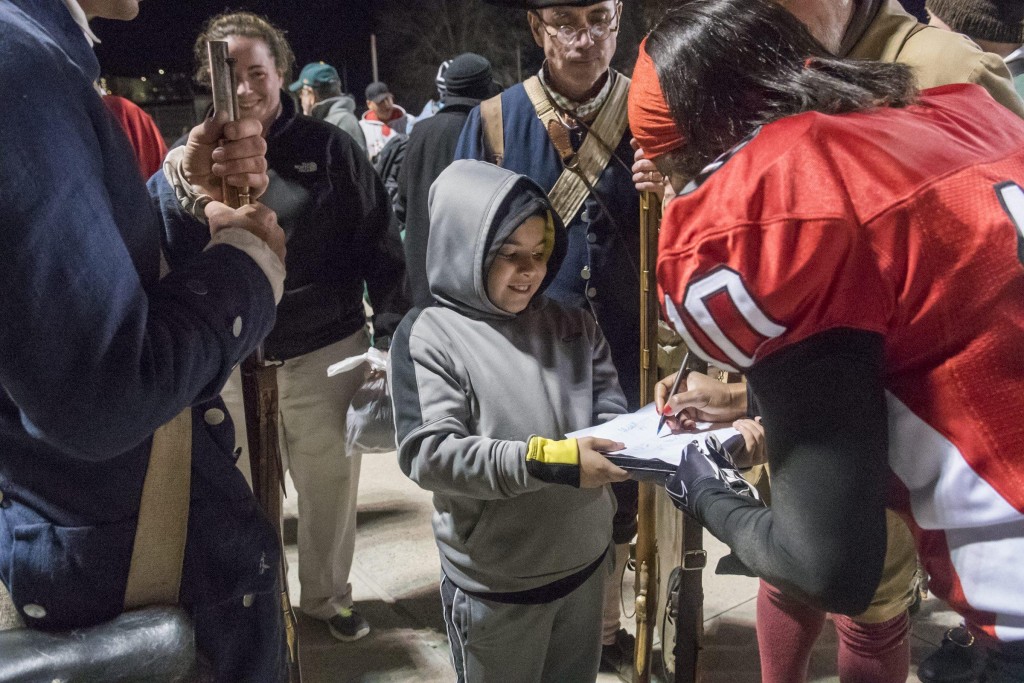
[[637, 431]]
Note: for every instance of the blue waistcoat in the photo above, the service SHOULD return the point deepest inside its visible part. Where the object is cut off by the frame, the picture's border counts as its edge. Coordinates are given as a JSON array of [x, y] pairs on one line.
[[601, 268]]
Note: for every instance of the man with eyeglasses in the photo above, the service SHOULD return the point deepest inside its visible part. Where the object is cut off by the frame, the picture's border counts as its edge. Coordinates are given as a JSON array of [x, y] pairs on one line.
[[566, 129]]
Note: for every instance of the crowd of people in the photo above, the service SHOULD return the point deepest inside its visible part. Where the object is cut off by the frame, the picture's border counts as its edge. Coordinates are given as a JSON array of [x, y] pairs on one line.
[[844, 226]]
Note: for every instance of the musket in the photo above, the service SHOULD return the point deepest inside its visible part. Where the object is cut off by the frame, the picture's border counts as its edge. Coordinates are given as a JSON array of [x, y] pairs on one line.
[[646, 538], [687, 602], [259, 378]]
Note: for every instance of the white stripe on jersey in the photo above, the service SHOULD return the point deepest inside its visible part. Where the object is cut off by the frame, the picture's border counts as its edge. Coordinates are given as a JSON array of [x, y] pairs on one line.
[[945, 492], [988, 564], [984, 533]]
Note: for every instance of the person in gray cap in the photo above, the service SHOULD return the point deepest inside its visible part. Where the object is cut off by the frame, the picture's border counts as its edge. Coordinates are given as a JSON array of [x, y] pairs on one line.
[[467, 81], [383, 120], [319, 90], [572, 115], [997, 26]]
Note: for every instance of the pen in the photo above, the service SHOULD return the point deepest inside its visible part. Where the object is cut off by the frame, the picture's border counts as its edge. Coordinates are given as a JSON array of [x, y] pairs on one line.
[[675, 388]]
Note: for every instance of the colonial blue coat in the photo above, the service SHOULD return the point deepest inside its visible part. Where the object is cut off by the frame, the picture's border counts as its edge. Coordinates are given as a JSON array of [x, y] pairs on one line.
[[601, 269], [96, 352]]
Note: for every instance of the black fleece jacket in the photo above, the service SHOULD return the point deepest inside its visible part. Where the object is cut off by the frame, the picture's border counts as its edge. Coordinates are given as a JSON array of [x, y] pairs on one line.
[[335, 214]]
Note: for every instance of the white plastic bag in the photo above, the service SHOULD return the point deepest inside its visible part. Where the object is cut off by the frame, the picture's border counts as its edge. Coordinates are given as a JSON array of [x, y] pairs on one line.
[[369, 424]]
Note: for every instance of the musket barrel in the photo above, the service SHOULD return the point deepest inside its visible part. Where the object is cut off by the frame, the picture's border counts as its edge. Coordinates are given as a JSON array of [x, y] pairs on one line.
[[225, 102]]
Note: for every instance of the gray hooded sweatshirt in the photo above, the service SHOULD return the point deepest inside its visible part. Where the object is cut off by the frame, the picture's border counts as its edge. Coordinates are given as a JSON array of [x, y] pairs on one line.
[[472, 383], [341, 112]]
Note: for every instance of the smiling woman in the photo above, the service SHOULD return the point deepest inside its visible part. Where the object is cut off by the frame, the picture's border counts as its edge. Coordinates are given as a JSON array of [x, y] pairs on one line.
[[336, 214], [263, 62]]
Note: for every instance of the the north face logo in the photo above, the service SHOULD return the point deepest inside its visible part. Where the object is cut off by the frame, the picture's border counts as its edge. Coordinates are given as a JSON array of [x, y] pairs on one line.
[[306, 167]]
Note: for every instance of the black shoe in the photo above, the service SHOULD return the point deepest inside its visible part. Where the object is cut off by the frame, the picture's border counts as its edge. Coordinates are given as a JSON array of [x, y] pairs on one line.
[[958, 660], [617, 658], [348, 625]]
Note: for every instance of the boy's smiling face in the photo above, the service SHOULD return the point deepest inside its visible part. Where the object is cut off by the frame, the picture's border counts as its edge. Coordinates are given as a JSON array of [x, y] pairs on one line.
[[519, 266]]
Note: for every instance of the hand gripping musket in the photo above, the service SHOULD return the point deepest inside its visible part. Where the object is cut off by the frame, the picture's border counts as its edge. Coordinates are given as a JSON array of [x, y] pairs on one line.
[[259, 379]]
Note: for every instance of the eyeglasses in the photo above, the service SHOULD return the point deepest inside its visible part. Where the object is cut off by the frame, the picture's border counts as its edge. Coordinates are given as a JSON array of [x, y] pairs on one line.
[[567, 35]]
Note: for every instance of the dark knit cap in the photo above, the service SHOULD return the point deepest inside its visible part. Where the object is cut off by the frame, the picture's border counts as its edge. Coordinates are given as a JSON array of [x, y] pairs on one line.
[[469, 75], [997, 21]]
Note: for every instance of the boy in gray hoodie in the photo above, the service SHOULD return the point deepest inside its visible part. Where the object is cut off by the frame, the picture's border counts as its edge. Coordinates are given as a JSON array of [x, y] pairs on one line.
[[485, 385]]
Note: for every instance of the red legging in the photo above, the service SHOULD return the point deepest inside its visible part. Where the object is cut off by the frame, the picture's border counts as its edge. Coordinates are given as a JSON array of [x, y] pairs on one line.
[[788, 628]]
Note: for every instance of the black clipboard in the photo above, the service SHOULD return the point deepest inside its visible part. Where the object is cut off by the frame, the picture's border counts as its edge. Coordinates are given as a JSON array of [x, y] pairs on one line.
[[657, 470], [643, 469]]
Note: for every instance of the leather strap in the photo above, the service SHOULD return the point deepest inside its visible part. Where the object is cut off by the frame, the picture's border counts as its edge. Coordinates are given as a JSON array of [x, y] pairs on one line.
[[154, 577], [494, 130], [583, 169], [9, 617]]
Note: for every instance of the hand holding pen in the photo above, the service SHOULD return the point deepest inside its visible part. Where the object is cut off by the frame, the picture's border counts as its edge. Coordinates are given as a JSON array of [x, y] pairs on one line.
[[700, 399], [666, 410]]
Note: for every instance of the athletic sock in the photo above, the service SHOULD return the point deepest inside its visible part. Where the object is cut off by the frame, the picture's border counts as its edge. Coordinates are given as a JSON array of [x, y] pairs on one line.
[[786, 632], [873, 653]]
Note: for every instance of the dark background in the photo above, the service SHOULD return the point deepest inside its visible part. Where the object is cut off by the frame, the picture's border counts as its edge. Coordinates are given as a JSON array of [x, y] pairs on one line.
[[413, 37], [161, 37]]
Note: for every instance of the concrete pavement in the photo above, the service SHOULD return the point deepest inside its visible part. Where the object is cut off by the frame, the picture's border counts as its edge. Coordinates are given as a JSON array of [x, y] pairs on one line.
[[395, 586]]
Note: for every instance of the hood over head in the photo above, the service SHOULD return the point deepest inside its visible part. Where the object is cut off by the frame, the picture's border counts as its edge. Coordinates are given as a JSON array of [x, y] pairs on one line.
[[474, 207]]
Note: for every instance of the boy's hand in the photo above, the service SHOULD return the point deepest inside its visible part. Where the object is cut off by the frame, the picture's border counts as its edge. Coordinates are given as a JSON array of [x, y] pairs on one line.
[[595, 469], [702, 400], [573, 462]]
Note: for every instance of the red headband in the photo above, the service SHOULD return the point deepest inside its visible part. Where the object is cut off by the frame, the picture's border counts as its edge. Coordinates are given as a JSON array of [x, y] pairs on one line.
[[649, 117]]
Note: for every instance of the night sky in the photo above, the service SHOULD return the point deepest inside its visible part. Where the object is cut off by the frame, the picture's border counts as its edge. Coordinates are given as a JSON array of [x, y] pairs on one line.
[[161, 37], [335, 31]]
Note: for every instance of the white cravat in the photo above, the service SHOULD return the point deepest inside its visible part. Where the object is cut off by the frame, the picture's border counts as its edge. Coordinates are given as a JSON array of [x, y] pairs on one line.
[[78, 14]]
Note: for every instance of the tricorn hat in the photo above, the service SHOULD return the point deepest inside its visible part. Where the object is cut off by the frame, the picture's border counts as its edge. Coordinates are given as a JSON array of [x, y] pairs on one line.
[[541, 4]]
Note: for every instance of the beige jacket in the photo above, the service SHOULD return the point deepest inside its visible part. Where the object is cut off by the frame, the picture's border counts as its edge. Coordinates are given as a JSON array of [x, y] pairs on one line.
[[939, 57]]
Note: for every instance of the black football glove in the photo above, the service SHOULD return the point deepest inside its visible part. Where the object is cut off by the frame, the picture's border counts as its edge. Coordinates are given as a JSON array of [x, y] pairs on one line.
[[713, 467]]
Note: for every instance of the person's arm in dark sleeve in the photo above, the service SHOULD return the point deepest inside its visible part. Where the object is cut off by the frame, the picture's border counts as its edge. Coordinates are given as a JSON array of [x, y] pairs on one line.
[[823, 540], [378, 247], [96, 353], [402, 194]]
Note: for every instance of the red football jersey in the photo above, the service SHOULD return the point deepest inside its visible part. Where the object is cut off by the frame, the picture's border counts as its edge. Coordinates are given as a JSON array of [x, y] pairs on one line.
[[908, 223]]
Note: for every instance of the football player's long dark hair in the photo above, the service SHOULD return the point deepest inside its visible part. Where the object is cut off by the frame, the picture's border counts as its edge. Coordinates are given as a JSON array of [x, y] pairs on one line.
[[728, 66]]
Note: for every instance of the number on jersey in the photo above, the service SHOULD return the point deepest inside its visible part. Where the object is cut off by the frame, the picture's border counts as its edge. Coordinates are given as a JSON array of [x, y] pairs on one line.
[[1011, 196], [722, 307]]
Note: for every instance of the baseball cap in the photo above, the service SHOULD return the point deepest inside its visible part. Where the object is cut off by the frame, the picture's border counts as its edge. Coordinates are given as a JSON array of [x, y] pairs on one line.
[[377, 91], [315, 74]]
